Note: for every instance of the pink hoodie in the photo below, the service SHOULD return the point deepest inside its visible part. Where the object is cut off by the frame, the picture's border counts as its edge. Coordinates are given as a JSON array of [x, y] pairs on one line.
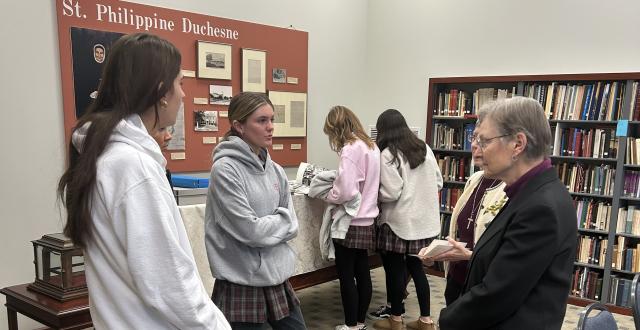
[[358, 172]]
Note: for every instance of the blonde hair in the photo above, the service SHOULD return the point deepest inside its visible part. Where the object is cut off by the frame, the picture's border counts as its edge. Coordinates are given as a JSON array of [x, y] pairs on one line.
[[343, 127]]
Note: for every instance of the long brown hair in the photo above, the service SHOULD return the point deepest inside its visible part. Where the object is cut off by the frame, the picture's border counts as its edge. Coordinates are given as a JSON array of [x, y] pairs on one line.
[[395, 134], [343, 127], [138, 72]]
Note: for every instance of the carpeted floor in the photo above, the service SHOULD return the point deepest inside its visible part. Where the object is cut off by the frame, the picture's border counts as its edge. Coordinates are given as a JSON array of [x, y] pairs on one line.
[[322, 308]]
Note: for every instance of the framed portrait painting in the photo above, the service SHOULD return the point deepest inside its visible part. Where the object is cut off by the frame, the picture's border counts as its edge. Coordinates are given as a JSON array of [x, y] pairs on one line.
[[214, 60], [254, 69]]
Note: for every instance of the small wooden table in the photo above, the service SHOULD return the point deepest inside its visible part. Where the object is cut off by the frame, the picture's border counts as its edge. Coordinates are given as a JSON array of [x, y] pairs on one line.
[[71, 314]]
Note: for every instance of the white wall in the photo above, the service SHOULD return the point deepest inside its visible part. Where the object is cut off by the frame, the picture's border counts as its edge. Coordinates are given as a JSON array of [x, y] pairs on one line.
[[368, 55], [409, 41], [31, 136], [32, 130]]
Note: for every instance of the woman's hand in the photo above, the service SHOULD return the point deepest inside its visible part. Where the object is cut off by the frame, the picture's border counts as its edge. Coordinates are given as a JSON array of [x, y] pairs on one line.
[[459, 252]]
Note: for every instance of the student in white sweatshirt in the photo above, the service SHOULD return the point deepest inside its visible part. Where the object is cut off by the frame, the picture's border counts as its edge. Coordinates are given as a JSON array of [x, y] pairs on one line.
[[139, 266], [409, 216]]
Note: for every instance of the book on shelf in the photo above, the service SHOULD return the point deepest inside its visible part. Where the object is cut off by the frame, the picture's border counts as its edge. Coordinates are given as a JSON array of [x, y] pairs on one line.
[[592, 214], [587, 179], [591, 250], [620, 291], [586, 283], [454, 168], [459, 103], [601, 100], [448, 197], [631, 184], [628, 220], [594, 143]]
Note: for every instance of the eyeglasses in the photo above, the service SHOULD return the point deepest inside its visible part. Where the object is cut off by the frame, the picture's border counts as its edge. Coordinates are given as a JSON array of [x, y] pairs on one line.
[[483, 143]]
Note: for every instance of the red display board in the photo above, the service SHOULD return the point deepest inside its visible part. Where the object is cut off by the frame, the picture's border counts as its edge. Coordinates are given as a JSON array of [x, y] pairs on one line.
[[285, 49]]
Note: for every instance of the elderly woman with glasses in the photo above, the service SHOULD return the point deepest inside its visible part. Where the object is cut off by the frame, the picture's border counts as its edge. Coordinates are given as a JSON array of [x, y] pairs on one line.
[[519, 274], [479, 203]]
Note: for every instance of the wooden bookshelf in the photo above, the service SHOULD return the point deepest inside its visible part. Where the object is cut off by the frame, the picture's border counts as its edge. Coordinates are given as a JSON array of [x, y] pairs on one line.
[[620, 108]]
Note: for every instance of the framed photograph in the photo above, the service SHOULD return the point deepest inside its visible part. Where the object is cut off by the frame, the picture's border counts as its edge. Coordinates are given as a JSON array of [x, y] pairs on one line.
[[290, 112], [205, 121], [280, 76], [254, 67], [214, 60], [220, 94]]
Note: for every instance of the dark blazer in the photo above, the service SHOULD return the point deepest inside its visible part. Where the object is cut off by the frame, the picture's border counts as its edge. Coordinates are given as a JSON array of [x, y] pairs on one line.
[[519, 275]]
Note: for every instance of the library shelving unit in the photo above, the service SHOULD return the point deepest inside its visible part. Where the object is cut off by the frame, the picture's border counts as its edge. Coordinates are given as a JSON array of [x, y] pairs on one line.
[[595, 122]]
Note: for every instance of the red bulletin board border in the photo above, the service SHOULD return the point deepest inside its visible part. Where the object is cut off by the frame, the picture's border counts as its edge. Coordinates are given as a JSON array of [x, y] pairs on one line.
[[286, 48]]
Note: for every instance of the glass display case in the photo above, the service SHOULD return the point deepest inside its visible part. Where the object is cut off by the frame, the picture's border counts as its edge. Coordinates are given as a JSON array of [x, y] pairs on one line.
[[59, 268]]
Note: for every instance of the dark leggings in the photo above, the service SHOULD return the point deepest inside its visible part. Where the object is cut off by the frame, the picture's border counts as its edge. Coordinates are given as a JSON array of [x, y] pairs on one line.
[[395, 267], [353, 264]]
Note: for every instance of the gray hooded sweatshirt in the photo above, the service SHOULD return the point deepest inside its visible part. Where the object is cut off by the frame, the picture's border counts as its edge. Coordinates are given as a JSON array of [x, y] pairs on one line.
[[249, 218]]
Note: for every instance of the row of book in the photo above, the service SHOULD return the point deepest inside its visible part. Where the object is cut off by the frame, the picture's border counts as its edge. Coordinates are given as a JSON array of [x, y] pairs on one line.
[[454, 138], [633, 151], [592, 214], [600, 100], [586, 283], [631, 184], [458, 103], [587, 179], [579, 142], [628, 220], [625, 254], [448, 198], [634, 112], [592, 250], [620, 291], [455, 168]]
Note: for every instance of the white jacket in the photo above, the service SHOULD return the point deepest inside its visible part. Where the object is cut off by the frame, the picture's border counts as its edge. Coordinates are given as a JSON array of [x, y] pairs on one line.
[[139, 266], [336, 219], [409, 197]]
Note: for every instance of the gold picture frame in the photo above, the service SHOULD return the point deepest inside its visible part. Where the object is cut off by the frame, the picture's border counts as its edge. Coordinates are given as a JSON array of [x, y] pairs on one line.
[[214, 60]]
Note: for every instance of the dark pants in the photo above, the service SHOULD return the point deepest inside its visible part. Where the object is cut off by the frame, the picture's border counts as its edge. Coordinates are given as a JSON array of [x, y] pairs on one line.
[[452, 291], [294, 321], [395, 267], [353, 264]]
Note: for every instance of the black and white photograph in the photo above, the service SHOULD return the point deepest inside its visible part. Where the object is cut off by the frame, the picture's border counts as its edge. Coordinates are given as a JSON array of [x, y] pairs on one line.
[[280, 76], [89, 49], [214, 60], [205, 121], [220, 94]]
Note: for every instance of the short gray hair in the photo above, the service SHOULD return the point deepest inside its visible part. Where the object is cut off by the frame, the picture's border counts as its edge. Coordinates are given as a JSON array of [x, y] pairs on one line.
[[520, 115]]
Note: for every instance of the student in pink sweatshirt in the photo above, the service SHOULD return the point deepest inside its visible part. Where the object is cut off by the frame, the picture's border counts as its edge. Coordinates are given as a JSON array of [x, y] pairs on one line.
[[358, 175]]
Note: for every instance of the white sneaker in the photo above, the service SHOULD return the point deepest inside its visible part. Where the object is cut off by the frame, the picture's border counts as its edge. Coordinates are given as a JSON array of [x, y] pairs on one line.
[[346, 327]]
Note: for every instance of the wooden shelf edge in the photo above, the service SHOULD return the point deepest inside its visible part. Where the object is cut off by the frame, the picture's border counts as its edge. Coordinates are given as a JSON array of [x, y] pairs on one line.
[[577, 301]]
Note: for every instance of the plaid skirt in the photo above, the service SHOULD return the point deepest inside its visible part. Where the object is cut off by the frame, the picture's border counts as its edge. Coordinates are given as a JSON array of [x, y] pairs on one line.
[[250, 304], [359, 237], [389, 241]]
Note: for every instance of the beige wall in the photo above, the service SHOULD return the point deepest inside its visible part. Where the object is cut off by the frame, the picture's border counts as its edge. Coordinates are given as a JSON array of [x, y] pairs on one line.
[[368, 55], [32, 132]]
